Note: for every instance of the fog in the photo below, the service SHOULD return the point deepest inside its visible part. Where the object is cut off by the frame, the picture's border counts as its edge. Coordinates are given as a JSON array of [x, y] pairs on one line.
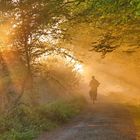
[[119, 80], [118, 73]]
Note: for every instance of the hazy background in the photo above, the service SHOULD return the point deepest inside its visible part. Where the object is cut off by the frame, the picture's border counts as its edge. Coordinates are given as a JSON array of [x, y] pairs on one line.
[[118, 72]]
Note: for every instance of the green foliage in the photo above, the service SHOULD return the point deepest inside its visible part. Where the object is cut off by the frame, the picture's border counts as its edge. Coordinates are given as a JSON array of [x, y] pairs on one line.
[[62, 111], [16, 135], [28, 123], [108, 11], [136, 5]]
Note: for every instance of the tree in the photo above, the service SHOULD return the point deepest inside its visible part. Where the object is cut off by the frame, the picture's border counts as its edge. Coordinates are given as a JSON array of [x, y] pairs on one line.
[[109, 16], [32, 22], [8, 93]]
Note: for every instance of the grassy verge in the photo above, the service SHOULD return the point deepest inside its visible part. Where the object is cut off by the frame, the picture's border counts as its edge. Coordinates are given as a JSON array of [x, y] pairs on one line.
[[135, 112], [28, 123]]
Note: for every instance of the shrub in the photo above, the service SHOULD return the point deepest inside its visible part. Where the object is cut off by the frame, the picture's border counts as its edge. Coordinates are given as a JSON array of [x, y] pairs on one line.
[[27, 123], [62, 110]]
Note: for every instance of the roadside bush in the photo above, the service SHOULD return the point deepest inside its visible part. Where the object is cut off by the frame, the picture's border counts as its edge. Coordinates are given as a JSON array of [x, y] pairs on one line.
[[62, 110], [27, 123]]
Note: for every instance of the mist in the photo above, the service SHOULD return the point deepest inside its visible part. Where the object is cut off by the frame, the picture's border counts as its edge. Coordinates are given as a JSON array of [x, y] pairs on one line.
[[118, 72]]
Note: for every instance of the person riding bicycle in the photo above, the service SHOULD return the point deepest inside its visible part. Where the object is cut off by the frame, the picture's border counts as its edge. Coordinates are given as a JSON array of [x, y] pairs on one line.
[[93, 89]]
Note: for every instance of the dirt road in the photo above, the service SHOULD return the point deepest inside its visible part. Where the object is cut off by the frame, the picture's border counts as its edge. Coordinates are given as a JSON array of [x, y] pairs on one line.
[[106, 121]]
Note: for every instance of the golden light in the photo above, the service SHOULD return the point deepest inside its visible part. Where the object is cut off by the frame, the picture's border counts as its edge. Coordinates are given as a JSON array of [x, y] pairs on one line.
[[69, 60], [79, 68]]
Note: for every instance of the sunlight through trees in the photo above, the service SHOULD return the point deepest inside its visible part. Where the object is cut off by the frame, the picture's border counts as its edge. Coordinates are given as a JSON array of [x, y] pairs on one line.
[[49, 49]]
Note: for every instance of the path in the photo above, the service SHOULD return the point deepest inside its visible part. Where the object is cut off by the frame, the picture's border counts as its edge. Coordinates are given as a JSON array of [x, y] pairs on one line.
[[106, 121]]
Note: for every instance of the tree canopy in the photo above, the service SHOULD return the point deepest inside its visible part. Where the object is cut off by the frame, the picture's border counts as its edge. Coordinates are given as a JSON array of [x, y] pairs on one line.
[[33, 24]]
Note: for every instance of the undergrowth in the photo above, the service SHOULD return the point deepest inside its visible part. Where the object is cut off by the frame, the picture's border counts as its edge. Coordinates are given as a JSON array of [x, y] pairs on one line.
[[26, 123]]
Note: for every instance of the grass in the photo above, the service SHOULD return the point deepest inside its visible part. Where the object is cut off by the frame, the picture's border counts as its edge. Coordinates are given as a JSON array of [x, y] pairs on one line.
[[28, 123]]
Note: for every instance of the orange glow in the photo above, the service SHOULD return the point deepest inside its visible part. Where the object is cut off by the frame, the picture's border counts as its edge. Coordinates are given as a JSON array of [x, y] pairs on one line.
[[69, 59]]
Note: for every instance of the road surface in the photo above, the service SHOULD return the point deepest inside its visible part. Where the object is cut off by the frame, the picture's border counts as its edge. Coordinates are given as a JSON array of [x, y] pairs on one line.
[[103, 121]]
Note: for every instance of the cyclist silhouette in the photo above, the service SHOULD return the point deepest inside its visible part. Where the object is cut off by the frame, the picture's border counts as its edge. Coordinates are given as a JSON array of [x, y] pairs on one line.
[[93, 89]]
